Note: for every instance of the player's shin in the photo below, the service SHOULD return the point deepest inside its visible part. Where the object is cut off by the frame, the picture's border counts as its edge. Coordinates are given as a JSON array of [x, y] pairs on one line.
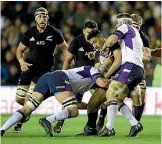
[[92, 118], [125, 111], [111, 112], [137, 111], [102, 116], [16, 117], [70, 111]]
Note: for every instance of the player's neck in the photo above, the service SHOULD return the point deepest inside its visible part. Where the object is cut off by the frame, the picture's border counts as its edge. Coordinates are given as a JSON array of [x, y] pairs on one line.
[[41, 30]]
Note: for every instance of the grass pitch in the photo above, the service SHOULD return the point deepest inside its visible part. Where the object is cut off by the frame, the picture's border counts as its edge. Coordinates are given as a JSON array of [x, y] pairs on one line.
[[32, 133]]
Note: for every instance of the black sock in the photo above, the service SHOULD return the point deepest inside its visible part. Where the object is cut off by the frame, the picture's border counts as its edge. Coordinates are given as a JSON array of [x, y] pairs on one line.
[[103, 112], [137, 111], [92, 118]]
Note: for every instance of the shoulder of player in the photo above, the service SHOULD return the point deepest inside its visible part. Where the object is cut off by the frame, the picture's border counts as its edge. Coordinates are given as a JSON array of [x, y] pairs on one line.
[[79, 37], [77, 40], [143, 34], [30, 30], [52, 29]]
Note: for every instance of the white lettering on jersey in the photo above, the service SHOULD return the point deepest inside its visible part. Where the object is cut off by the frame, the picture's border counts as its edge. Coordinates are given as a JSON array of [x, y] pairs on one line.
[[40, 43]]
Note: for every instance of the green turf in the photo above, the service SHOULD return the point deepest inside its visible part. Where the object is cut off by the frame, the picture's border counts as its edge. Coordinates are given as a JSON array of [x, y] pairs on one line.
[[32, 133]]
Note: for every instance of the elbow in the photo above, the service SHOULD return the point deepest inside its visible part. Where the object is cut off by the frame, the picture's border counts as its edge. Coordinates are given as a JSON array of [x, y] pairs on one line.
[[102, 82], [146, 59]]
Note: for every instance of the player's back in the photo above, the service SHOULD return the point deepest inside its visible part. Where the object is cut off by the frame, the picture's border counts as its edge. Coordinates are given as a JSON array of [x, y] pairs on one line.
[[131, 45], [82, 78]]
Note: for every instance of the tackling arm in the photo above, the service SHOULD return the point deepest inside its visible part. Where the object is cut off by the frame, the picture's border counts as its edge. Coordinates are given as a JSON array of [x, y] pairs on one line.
[[116, 64], [67, 56]]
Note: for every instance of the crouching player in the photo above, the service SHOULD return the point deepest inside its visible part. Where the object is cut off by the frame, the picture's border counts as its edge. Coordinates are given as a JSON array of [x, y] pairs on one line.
[[108, 65], [63, 84]]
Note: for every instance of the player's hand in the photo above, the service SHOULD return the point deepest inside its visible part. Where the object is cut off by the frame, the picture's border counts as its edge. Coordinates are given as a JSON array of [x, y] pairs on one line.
[[105, 48], [24, 65], [91, 55]]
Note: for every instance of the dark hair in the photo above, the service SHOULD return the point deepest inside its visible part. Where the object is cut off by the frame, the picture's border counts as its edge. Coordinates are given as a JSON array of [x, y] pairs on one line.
[[93, 33], [90, 24], [123, 15]]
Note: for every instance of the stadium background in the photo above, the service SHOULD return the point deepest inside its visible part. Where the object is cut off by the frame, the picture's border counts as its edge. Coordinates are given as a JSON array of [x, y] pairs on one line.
[[69, 17]]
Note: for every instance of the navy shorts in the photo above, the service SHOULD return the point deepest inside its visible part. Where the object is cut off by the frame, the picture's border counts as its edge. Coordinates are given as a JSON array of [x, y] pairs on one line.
[[53, 82], [129, 74], [33, 74]]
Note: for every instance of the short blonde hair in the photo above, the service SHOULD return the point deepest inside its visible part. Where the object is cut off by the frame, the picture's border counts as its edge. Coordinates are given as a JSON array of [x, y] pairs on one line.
[[137, 19], [41, 10]]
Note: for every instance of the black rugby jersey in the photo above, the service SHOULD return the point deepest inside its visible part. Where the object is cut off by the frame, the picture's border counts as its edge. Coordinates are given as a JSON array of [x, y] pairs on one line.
[[145, 39], [80, 48], [41, 45]]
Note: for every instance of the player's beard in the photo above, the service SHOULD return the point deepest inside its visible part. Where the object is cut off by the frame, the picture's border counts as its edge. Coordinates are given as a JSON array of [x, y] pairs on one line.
[[42, 25]]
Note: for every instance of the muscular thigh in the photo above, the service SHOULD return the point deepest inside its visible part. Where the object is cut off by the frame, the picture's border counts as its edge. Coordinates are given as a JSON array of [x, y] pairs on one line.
[[135, 95], [97, 98], [117, 90]]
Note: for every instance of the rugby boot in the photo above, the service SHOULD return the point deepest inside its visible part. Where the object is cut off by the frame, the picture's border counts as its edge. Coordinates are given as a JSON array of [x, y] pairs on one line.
[[57, 128], [88, 132], [107, 132], [18, 126], [100, 124], [2, 132], [47, 126], [135, 130]]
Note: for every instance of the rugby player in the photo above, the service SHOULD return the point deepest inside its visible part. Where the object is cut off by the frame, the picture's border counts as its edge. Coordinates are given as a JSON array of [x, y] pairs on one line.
[[41, 40], [138, 105], [63, 84], [137, 22], [80, 51], [130, 74], [108, 64]]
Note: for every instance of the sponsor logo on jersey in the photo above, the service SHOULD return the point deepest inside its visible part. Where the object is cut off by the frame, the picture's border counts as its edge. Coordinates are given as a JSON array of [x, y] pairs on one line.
[[32, 39], [49, 38], [60, 87], [40, 43], [81, 49]]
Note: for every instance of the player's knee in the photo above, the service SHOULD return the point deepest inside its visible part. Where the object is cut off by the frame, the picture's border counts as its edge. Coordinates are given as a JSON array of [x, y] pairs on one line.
[[143, 93], [73, 112], [26, 110], [20, 95], [136, 96], [92, 107], [30, 90], [19, 100], [71, 104], [119, 91], [31, 105], [82, 105]]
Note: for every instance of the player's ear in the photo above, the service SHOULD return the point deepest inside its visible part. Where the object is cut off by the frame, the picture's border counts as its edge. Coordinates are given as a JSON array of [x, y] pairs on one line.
[[35, 19]]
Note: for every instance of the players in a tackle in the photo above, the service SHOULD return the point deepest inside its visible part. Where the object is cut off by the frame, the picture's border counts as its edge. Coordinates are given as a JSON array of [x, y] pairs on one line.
[[130, 74], [63, 85]]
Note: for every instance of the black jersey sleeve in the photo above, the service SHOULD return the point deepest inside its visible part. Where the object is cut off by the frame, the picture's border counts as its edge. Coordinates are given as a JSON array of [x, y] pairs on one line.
[[97, 54], [59, 37], [145, 39], [25, 39], [115, 46], [73, 46]]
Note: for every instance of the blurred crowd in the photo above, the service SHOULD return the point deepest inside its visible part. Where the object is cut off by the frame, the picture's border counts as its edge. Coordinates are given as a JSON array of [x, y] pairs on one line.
[[69, 18]]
